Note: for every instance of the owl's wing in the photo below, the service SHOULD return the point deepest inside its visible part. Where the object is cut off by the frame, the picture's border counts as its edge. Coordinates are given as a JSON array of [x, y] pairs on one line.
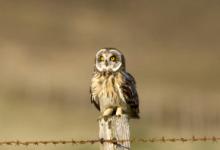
[[93, 100], [131, 95]]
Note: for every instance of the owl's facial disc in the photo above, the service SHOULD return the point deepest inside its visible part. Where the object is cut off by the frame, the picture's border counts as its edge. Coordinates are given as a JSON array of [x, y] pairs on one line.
[[108, 60]]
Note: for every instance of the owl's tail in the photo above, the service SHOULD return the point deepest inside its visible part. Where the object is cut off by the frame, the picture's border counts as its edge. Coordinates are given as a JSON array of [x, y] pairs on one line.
[[134, 115]]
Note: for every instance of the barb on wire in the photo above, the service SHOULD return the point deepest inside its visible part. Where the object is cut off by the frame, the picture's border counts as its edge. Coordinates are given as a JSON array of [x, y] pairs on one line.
[[141, 140]]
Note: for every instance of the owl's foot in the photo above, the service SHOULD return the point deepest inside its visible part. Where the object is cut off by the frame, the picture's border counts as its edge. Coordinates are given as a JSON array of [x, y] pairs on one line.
[[119, 112], [103, 117], [106, 114]]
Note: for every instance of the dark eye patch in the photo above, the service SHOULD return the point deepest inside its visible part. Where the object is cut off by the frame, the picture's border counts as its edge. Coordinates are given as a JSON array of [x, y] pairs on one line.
[[113, 58], [101, 58]]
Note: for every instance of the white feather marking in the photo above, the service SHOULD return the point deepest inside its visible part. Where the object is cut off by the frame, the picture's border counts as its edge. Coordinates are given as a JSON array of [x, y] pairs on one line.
[[120, 92], [118, 66]]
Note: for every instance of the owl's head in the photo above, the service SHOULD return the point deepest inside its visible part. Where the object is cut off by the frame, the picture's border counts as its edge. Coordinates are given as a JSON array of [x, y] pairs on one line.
[[109, 60]]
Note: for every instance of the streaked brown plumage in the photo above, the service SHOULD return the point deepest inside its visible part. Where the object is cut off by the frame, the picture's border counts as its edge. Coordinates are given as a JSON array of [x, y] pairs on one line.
[[113, 90]]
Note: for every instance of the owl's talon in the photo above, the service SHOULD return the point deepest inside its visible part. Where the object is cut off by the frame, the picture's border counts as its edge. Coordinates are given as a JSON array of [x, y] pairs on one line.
[[118, 115], [99, 118], [103, 117]]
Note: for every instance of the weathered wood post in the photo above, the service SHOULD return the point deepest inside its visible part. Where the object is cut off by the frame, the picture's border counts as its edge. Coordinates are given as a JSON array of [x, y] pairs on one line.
[[115, 128]]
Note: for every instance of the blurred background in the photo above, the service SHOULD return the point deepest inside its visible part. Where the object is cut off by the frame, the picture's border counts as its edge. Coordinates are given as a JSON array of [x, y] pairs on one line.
[[47, 51]]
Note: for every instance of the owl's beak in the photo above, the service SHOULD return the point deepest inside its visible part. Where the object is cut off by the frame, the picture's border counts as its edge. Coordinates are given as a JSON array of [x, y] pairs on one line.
[[106, 63]]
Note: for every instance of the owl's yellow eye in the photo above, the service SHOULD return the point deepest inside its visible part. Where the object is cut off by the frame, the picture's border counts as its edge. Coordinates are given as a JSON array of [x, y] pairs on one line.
[[101, 58], [113, 58]]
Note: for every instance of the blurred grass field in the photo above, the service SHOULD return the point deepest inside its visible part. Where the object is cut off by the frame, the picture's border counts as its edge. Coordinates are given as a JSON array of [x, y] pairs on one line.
[[47, 51]]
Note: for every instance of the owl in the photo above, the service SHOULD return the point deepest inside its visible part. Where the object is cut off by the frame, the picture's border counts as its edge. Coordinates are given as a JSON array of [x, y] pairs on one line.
[[113, 90]]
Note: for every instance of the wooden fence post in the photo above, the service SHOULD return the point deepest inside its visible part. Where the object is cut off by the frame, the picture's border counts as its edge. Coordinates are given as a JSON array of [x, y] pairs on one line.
[[115, 128]]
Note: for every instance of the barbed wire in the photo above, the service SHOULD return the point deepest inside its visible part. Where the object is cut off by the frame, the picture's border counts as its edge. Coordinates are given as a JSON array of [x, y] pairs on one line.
[[141, 140]]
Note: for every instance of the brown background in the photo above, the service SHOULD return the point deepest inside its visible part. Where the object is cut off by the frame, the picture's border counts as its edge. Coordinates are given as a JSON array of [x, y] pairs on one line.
[[47, 51]]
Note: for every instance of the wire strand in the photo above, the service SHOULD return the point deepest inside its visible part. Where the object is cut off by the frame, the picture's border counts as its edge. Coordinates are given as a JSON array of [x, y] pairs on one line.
[[134, 140]]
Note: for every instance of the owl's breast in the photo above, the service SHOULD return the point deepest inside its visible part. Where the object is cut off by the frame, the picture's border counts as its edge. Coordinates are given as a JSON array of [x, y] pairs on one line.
[[108, 93]]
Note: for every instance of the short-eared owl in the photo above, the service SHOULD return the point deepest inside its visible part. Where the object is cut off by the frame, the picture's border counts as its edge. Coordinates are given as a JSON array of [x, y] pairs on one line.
[[113, 90]]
